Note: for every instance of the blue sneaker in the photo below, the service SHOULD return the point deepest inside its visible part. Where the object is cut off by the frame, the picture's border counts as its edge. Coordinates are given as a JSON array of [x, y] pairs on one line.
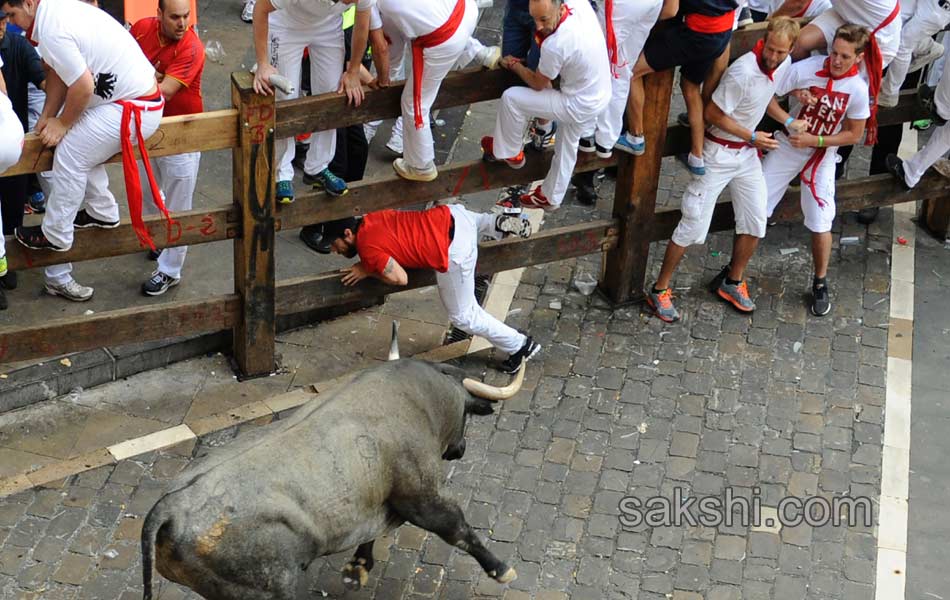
[[36, 203], [325, 180], [285, 192], [697, 171], [625, 145]]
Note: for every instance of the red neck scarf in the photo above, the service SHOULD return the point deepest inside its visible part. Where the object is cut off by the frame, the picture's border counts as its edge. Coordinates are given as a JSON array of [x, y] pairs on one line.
[[565, 13], [826, 72], [612, 52], [29, 31], [875, 65], [757, 50]]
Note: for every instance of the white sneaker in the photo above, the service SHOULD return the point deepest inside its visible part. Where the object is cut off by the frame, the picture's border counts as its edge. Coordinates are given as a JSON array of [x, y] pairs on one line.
[[247, 15], [407, 171], [488, 57], [369, 130], [395, 140], [71, 290], [925, 53]]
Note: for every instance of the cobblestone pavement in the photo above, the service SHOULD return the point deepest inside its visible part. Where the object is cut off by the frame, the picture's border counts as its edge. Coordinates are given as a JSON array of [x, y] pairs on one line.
[[619, 405]]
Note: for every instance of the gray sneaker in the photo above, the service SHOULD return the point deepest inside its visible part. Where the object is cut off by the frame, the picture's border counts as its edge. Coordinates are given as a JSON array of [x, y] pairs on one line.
[[662, 305], [736, 295], [71, 290], [513, 224]]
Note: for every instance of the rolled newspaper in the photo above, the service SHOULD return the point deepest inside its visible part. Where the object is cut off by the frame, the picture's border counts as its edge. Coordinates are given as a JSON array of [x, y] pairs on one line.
[[282, 83]]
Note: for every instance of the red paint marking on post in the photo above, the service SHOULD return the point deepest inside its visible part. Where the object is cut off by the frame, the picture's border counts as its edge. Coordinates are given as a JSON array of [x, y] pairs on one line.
[[458, 185], [209, 226], [484, 171]]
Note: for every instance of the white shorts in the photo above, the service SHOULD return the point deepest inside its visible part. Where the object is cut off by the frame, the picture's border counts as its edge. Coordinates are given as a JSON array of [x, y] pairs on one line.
[[740, 170], [781, 166], [888, 39]]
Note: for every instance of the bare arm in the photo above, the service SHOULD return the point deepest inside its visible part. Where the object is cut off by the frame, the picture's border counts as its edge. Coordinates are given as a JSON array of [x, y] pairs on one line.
[[393, 274], [535, 80], [377, 40], [851, 132], [169, 87], [261, 30], [713, 114], [55, 95], [350, 81], [791, 8], [669, 10], [52, 129]]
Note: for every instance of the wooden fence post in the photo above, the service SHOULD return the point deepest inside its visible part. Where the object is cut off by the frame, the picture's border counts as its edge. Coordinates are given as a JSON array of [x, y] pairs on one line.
[[936, 214], [625, 265], [254, 268]]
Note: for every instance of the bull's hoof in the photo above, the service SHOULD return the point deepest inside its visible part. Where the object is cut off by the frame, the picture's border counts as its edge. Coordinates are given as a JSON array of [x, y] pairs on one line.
[[508, 574], [355, 574]]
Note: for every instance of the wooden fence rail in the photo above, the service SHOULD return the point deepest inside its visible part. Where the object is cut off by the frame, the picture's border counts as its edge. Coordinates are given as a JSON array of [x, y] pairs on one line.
[[249, 130]]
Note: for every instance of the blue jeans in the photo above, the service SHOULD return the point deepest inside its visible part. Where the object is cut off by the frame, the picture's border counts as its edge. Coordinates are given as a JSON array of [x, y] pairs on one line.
[[518, 34]]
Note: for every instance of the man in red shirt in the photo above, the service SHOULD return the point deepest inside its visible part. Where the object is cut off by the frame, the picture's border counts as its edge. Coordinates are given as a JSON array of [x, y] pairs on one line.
[[178, 56], [444, 238]]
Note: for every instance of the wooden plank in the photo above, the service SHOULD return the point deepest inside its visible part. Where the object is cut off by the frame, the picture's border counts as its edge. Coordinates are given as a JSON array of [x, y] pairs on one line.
[[194, 227], [115, 327], [254, 265], [635, 199], [212, 130], [320, 291], [853, 195]]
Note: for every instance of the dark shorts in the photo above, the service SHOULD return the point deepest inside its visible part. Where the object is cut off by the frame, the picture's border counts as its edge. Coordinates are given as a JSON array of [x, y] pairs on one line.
[[678, 46]]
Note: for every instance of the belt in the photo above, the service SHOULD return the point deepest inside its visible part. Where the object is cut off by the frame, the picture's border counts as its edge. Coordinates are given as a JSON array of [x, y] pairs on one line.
[[452, 228], [439, 36], [731, 144], [710, 24]]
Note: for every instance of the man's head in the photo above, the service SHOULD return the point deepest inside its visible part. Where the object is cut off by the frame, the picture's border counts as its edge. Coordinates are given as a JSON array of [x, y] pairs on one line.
[[779, 39], [342, 236], [546, 15], [3, 24], [173, 17], [20, 12], [847, 49]]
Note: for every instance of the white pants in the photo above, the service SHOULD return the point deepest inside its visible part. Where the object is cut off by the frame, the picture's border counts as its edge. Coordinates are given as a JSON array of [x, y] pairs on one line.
[[177, 175], [781, 166], [939, 142], [285, 47], [740, 170], [418, 148], [79, 178], [927, 19], [518, 105], [11, 146], [888, 38], [632, 22], [457, 285]]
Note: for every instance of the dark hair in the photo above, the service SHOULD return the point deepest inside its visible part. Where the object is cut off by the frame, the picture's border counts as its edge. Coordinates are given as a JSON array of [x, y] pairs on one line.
[[11, 3], [161, 5], [854, 34], [334, 230]]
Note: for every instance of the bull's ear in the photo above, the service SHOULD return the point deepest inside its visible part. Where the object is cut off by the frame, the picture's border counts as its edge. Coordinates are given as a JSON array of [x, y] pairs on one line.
[[478, 406]]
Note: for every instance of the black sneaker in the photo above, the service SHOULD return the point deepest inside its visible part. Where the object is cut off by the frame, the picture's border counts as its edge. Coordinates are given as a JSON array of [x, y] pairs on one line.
[[585, 192], [683, 119], [84, 220], [9, 281], [312, 237], [895, 166], [158, 284], [866, 216], [3, 300], [821, 302], [513, 362], [718, 280], [586, 144], [153, 254], [514, 225], [34, 238]]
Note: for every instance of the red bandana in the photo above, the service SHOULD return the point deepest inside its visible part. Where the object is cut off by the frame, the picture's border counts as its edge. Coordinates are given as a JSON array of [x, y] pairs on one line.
[[875, 65], [757, 50]]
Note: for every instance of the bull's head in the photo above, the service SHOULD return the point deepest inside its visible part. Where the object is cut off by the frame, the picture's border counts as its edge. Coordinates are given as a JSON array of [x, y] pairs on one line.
[[474, 387]]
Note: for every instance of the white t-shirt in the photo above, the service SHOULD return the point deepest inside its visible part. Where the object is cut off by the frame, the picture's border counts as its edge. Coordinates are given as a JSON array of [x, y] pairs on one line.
[[414, 18], [74, 36], [311, 12], [745, 91], [867, 13], [814, 8], [576, 51], [848, 98], [6, 108]]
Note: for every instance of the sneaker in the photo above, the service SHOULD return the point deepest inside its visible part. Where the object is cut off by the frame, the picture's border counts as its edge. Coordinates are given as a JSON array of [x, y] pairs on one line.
[[35, 204], [719, 279], [895, 166], [513, 224], [327, 181], [34, 238], [625, 145], [285, 192], [153, 254], [529, 350], [536, 199], [737, 295], [662, 305], [406, 171], [921, 124], [540, 138], [586, 144], [821, 301], [9, 281], [3, 266], [3, 300], [395, 139], [693, 170], [488, 57], [312, 237], [602, 152], [926, 55], [866, 216], [84, 220], [509, 200], [488, 154], [71, 290], [745, 18], [158, 284], [247, 15], [584, 190], [683, 119]]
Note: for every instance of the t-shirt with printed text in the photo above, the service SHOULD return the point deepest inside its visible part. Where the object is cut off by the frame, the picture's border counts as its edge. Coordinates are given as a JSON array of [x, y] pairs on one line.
[[838, 99]]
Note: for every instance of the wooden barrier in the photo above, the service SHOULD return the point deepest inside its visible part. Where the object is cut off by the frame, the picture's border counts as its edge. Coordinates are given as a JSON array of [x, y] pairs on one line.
[[250, 129]]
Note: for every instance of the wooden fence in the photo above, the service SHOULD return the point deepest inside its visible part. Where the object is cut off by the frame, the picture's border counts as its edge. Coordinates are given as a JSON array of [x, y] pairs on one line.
[[252, 220]]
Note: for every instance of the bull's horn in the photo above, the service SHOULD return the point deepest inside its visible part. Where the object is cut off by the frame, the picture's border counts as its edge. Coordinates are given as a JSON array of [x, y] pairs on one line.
[[394, 343], [491, 392]]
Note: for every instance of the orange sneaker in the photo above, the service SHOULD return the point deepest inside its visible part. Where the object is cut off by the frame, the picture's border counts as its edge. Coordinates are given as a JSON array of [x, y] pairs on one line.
[[662, 305], [488, 154], [736, 295]]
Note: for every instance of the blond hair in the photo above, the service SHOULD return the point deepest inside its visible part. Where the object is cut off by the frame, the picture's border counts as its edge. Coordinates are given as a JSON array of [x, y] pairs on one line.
[[784, 26]]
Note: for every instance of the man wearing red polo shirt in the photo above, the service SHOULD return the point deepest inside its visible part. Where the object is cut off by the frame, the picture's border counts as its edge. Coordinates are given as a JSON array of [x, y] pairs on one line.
[[175, 51]]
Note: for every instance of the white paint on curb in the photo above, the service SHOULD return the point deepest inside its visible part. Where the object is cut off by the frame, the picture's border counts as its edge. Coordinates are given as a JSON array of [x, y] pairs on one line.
[[153, 441]]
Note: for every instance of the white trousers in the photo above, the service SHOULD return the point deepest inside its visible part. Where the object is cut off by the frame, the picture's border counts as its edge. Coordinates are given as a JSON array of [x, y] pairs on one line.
[[518, 105], [781, 166], [936, 148], [457, 285], [888, 38], [418, 147], [11, 146], [285, 47], [740, 170], [177, 175], [927, 19], [632, 22], [79, 178]]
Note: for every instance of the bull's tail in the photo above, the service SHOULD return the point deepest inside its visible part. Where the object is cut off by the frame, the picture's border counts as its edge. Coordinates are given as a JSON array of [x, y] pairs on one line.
[[153, 522]]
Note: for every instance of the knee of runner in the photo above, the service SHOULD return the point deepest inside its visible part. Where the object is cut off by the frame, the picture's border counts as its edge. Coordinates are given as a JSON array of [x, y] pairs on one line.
[[464, 318]]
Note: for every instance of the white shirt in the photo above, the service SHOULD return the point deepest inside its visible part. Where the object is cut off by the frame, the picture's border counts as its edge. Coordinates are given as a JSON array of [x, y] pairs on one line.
[[311, 12], [848, 98], [73, 37], [414, 18], [745, 91], [814, 8], [867, 13], [577, 52], [6, 108]]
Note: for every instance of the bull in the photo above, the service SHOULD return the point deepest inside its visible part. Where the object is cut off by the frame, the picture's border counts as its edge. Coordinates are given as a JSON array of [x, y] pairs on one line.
[[246, 520]]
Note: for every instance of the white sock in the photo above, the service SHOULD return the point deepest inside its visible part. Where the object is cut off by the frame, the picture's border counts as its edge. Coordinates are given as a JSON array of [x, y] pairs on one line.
[[543, 127], [693, 161], [635, 139]]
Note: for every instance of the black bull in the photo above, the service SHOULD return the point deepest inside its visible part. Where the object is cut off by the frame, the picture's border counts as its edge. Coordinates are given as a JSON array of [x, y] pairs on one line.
[[246, 520]]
